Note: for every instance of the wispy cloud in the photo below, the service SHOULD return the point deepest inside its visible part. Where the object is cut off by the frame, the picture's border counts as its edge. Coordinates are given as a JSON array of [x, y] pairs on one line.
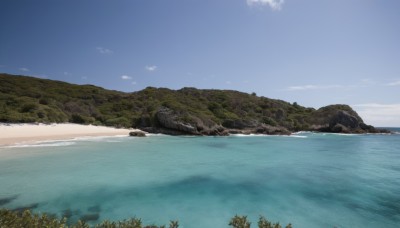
[[134, 83], [274, 4], [103, 50], [314, 87], [126, 77], [395, 83], [151, 68], [66, 73], [24, 69], [381, 115], [303, 87]]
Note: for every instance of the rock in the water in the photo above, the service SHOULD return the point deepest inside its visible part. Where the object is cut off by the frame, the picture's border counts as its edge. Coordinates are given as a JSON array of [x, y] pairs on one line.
[[137, 134]]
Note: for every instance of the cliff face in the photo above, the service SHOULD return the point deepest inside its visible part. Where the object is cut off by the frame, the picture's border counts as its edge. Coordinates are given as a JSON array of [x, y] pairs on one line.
[[340, 119], [160, 110], [327, 119]]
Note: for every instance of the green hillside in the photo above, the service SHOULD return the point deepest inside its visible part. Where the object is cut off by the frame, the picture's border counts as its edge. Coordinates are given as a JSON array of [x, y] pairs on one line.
[[188, 110]]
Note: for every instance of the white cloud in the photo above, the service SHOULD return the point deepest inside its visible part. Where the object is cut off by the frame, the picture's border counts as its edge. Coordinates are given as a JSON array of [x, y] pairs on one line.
[[274, 4], [303, 87], [103, 50], [134, 83], [314, 87], [395, 83], [24, 69], [126, 77], [151, 68], [66, 73], [379, 115], [228, 82], [319, 87]]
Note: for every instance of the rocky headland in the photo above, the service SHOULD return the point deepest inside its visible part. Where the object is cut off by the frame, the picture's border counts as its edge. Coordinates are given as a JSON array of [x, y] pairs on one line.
[[188, 111]]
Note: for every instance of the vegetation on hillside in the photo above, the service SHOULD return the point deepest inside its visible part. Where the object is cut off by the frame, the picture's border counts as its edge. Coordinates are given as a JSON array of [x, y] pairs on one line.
[[27, 99], [26, 219]]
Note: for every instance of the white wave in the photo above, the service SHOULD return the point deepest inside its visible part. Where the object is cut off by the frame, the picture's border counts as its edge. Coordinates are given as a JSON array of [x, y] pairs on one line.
[[303, 132], [298, 136], [265, 135], [47, 144], [342, 134], [250, 135], [98, 138], [113, 141], [155, 134]]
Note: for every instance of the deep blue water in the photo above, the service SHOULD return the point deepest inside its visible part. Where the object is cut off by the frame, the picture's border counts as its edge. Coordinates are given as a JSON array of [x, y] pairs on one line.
[[309, 180]]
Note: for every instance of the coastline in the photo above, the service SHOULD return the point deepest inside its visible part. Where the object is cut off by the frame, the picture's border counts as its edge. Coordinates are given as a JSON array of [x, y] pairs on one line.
[[12, 134]]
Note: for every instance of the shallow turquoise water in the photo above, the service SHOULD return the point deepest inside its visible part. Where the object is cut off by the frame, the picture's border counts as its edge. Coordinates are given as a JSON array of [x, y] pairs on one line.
[[310, 180]]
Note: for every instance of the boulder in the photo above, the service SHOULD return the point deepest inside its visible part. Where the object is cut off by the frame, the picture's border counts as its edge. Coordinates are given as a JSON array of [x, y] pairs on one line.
[[137, 134]]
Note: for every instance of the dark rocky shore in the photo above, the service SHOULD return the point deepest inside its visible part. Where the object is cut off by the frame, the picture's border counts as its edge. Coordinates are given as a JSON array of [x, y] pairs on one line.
[[327, 119]]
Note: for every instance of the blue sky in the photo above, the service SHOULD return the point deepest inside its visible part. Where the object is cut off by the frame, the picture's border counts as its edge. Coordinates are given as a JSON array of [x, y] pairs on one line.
[[314, 52]]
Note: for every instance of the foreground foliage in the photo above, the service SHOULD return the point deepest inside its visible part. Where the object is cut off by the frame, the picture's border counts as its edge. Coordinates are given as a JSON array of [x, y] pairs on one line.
[[242, 222], [26, 219]]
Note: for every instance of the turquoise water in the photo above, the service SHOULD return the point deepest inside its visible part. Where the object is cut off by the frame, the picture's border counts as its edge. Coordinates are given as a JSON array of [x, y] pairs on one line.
[[310, 180]]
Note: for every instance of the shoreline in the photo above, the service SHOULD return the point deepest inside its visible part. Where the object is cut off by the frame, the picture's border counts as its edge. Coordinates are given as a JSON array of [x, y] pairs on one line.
[[14, 134]]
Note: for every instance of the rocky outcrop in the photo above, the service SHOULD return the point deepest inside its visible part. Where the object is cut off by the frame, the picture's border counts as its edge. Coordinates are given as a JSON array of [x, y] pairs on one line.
[[340, 119], [171, 122], [344, 119], [240, 124], [271, 130], [169, 119], [333, 118], [137, 134]]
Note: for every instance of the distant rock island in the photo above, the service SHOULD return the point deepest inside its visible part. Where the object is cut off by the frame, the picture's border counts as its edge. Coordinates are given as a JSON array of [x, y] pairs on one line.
[[188, 111]]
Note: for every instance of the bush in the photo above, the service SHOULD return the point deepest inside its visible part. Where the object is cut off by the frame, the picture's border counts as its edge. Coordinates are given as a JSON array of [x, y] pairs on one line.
[[76, 118], [15, 219], [119, 122], [28, 107], [240, 222]]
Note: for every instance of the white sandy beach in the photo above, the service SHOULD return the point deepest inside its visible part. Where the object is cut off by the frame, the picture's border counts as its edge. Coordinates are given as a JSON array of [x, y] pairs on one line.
[[11, 134]]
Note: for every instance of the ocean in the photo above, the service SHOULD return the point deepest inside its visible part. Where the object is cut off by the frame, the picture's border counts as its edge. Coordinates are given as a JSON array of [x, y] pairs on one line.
[[308, 179]]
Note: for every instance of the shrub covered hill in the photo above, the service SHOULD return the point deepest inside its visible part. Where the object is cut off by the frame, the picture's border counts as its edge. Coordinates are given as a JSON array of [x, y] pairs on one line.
[[160, 110]]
